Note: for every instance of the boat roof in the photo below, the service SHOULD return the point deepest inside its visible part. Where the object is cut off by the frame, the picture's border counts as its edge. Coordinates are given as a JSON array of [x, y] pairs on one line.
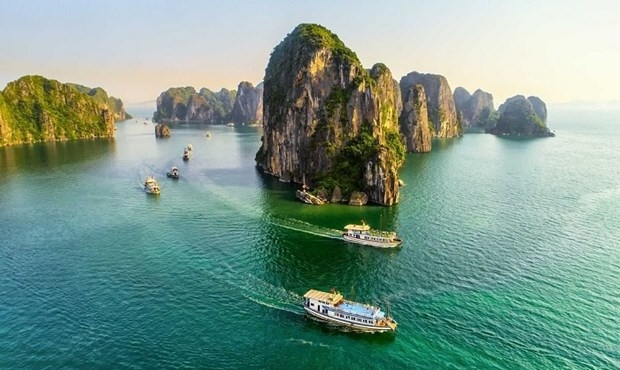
[[362, 227], [333, 298]]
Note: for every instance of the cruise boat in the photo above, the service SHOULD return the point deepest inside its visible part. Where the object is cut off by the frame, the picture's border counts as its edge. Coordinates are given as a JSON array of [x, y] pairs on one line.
[[363, 234], [151, 186], [174, 173], [333, 308]]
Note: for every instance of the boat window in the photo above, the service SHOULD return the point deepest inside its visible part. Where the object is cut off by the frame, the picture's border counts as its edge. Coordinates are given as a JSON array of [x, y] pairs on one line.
[[312, 304]]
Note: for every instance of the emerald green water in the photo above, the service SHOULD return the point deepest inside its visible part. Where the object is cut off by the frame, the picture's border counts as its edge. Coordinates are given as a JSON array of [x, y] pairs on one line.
[[510, 258]]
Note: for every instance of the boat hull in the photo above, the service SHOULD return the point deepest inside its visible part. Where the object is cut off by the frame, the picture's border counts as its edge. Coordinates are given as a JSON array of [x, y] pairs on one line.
[[372, 243], [345, 323]]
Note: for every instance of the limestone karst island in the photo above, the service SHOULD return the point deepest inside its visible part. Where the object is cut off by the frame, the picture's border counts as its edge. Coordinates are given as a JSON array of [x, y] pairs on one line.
[[328, 119], [34, 109]]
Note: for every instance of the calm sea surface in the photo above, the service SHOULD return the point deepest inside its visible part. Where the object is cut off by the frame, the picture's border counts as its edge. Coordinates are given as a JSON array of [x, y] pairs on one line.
[[511, 255]]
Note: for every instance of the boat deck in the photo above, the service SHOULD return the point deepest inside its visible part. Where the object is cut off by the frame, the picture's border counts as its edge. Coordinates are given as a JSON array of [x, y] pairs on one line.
[[359, 309]]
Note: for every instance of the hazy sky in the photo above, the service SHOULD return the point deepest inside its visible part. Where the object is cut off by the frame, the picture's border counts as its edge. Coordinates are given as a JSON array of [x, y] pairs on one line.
[[558, 50]]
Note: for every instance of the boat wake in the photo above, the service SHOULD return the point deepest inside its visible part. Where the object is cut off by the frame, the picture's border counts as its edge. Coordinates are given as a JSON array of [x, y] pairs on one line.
[[229, 197], [260, 291], [308, 228], [304, 342], [268, 295]]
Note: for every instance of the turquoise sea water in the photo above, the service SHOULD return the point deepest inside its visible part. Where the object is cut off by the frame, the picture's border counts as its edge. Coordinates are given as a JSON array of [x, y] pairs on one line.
[[510, 260]]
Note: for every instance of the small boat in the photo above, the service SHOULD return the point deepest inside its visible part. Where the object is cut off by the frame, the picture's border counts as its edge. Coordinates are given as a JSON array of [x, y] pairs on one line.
[[333, 308], [190, 147], [174, 173], [230, 124], [308, 198], [363, 234], [305, 196], [186, 154], [151, 186], [208, 134]]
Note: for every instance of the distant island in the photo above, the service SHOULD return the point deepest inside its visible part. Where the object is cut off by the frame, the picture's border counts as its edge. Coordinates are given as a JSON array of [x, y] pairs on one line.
[[517, 116], [35, 109], [185, 104], [475, 110], [522, 116]]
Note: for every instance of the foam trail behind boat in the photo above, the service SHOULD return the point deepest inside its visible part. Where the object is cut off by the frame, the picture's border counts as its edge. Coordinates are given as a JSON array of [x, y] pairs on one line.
[[307, 228]]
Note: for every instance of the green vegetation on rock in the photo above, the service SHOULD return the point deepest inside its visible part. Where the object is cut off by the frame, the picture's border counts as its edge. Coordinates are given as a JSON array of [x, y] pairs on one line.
[[294, 50], [518, 117], [350, 161], [320, 37], [172, 104], [114, 105]]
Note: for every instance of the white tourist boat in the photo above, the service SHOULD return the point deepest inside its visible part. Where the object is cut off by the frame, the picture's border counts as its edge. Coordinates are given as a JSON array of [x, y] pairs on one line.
[[363, 234], [173, 173], [187, 154], [332, 307], [151, 186]]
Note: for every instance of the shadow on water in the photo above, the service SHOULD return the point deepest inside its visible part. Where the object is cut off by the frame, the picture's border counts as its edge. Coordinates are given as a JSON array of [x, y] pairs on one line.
[[279, 201], [473, 130], [517, 138], [50, 155], [444, 144]]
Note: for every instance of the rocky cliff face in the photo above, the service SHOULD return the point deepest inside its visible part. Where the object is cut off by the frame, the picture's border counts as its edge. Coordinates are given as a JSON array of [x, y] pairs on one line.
[[34, 109], [187, 105], [460, 96], [328, 118], [413, 120], [162, 130], [539, 107], [115, 105], [248, 107], [439, 101], [476, 110], [519, 117]]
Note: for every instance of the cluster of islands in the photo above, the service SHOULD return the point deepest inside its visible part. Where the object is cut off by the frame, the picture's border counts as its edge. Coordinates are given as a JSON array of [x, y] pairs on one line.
[[329, 123]]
